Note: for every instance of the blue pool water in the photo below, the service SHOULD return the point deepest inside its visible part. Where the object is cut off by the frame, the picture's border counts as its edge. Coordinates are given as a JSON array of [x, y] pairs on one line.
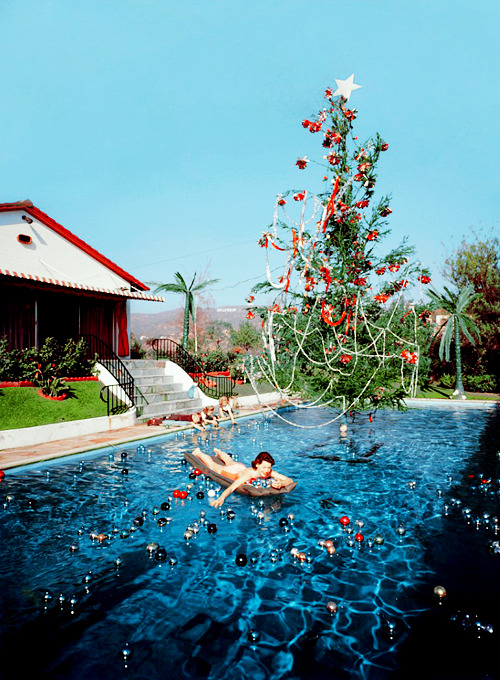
[[422, 488]]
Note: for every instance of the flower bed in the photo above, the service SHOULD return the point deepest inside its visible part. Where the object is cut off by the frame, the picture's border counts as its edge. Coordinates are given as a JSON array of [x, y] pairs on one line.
[[28, 383], [60, 397]]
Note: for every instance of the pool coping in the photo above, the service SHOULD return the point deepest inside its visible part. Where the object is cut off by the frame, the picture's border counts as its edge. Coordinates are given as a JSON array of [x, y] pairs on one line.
[[26, 455]]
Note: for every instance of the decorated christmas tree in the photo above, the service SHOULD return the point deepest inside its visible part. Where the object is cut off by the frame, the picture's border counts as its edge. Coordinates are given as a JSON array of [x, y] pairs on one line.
[[337, 330]]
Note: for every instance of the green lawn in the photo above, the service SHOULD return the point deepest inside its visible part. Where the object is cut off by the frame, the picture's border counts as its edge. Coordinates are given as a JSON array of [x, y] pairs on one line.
[[23, 407], [438, 392]]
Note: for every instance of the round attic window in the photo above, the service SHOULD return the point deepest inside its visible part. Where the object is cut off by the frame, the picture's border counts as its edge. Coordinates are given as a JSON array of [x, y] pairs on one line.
[[24, 239]]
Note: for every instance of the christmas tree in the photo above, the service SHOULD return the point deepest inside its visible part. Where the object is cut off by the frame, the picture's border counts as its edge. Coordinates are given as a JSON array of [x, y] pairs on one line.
[[337, 331]]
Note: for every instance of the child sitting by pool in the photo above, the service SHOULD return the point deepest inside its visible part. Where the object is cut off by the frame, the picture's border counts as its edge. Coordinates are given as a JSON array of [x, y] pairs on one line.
[[197, 422], [261, 469], [225, 409], [208, 416]]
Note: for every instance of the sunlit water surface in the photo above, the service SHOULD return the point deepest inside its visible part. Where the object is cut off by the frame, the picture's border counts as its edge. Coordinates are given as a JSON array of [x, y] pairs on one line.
[[420, 487]]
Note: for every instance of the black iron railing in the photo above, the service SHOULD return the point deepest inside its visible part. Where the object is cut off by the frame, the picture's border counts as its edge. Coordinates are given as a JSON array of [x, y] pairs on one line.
[[212, 386], [120, 397]]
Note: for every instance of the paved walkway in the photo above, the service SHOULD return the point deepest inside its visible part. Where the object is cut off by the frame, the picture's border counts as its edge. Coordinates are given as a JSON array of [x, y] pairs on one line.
[[24, 455]]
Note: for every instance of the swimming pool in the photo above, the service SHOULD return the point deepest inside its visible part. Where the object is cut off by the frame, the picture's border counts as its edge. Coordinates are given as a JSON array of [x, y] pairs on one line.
[[81, 597]]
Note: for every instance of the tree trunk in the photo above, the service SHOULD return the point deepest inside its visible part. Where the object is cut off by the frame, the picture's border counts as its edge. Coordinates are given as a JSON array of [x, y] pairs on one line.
[[185, 332], [459, 392]]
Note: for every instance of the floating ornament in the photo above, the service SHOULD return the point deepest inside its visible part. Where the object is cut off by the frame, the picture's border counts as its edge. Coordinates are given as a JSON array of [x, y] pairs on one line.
[[230, 514], [126, 654], [401, 530], [344, 521], [172, 561], [123, 455], [331, 550], [412, 484], [359, 523], [74, 547], [200, 495], [359, 537], [152, 547], [162, 521], [138, 521], [47, 597], [241, 560], [440, 591], [283, 522], [379, 540], [212, 528], [124, 533], [160, 554], [188, 534], [124, 471], [88, 577], [118, 562], [291, 517], [253, 636], [332, 607], [390, 628]]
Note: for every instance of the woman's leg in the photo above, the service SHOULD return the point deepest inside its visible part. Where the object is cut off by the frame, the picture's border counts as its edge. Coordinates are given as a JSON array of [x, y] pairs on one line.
[[208, 460], [225, 457]]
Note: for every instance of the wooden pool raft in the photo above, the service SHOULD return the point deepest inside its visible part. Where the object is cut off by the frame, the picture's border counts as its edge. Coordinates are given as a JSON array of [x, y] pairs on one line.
[[245, 489]]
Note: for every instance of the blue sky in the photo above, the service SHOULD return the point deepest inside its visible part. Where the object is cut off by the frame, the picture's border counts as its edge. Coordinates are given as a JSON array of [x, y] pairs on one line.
[[160, 132]]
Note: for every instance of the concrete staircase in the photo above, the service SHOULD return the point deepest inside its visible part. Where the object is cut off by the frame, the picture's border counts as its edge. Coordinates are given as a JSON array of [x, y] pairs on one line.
[[157, 394]]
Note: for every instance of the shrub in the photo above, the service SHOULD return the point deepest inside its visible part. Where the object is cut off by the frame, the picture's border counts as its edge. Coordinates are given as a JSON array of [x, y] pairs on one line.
[[54, 360], [481, 383]]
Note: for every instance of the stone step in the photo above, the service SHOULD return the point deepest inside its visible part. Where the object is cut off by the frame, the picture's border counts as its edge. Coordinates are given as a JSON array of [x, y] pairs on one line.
[[158, 387], [165, 397], [137, 364], [165, 408], [139, 373]]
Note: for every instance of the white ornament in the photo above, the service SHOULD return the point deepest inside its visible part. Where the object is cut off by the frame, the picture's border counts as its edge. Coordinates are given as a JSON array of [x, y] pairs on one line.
[[345, 87]]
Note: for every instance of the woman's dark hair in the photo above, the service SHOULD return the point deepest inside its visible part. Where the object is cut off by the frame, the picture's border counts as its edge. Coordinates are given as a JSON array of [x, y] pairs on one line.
[[263, 456]]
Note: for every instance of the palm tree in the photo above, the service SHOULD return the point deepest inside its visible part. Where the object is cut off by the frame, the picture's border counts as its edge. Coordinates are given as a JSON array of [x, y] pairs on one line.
[[456, 304], [180, 286]]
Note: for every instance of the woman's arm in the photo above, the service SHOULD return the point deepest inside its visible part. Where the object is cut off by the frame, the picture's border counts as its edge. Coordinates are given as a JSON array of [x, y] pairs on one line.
[[281, 478], [245, 477]]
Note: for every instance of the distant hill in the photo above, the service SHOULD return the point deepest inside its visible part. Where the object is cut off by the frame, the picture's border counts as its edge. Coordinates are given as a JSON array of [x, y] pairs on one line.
[[167, 324]]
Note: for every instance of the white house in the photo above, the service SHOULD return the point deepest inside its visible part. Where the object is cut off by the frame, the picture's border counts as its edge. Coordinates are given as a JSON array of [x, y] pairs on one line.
[[53, 284]]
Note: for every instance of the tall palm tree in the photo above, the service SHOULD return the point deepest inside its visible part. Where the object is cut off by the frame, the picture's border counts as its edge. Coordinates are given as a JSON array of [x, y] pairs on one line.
[[456, 304], [180, 286]]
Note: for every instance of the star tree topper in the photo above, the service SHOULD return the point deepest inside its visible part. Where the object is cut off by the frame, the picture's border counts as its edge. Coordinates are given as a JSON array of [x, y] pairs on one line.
[[345, 87]]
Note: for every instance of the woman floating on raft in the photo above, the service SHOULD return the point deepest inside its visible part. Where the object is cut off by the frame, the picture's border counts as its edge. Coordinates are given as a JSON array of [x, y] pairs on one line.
[[261, 469]]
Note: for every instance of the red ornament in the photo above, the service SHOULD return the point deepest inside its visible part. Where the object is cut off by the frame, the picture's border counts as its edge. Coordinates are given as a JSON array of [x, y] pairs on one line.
[[344, 520], [197, 472], [183, 495], [2, 475], [359, 537], [176, 493]]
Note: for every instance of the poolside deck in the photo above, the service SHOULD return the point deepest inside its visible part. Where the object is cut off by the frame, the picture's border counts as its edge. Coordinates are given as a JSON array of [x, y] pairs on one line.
[[24, 455]]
